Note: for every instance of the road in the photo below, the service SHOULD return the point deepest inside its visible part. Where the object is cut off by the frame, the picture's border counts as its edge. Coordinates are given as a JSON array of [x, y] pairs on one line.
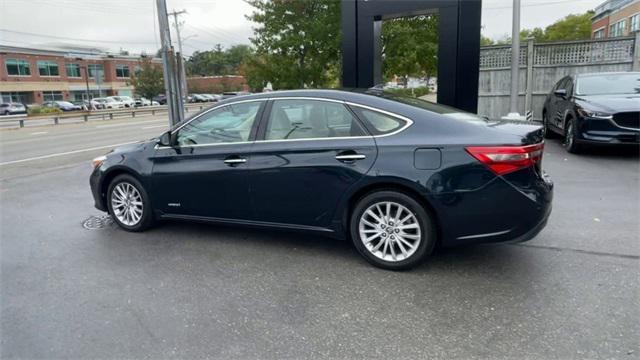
[[194, 291]]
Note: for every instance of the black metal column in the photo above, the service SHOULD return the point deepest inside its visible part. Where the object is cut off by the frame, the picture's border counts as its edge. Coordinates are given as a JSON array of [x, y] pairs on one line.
[[458, 48]]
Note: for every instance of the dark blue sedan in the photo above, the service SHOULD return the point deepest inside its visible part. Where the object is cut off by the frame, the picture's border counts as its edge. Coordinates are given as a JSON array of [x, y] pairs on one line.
[[397, 176]]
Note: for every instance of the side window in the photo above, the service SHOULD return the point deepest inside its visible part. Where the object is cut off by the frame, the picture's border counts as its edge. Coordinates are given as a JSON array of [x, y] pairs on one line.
[[379, 123], [569, 86], [304, 119], [228, 124], [563, 83]]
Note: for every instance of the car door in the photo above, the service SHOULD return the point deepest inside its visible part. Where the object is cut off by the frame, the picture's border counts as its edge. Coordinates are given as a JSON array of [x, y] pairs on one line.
[[555, 113], [565, 104], [205, 173], [308, 153]]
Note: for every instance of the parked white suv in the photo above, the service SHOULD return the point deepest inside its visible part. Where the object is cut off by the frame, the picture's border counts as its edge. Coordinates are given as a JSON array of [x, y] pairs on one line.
[[113, 102], [124, 100]]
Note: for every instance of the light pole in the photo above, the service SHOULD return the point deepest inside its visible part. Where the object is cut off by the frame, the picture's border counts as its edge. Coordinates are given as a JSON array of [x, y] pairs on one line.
[[515, 64], [173, 91], [183, 73]]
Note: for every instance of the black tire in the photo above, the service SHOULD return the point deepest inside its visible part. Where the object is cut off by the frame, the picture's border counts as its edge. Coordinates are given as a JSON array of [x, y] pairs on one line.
[[570, 137], [146, 220], [421, 217], [548, 132]]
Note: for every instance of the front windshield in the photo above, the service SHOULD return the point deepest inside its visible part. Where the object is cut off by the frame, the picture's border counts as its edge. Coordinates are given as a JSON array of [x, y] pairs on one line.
[[65, 103], [608, 84]]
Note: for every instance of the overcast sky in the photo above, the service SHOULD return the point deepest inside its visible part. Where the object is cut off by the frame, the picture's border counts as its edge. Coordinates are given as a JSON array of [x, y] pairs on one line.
[[132, 24]]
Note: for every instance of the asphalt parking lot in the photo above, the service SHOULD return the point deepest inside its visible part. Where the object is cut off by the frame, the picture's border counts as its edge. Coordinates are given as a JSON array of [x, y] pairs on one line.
[[194, 291]]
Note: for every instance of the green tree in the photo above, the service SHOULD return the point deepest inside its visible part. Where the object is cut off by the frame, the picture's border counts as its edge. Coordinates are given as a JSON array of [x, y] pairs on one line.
[[297, 43], [485, 41], [219, 61], [537, 34], [571, 27], [410, 46], [148, 81]]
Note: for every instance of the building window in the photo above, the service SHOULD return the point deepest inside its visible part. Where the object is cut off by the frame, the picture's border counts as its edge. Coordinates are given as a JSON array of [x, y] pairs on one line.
[[635, 23], [17, 97], [95, 69], [122, 71], [52, 95], [48, 68], [73, 70], [18, 67], [598, 34], [617, 29]]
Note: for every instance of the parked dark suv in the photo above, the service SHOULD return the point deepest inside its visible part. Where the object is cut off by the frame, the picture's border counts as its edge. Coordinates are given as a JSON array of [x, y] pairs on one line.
[[597, 108]]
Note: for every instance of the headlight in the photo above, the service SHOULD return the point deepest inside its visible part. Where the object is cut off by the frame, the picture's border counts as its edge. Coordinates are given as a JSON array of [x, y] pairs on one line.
[[595, 114], [98, 161]]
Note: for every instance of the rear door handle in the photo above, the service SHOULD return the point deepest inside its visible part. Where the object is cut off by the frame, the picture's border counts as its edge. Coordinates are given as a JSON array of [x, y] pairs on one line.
[[235, 160], [350, 157]]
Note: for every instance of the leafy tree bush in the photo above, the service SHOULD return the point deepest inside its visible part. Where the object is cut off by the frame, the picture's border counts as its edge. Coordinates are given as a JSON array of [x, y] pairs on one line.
[[41, 110]]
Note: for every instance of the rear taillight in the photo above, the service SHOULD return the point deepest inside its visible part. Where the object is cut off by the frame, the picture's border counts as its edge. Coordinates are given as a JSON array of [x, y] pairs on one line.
[[505, 159]]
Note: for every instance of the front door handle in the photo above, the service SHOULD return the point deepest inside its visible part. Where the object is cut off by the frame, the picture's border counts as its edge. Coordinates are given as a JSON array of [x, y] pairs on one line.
[[235, 161], [350, 157]]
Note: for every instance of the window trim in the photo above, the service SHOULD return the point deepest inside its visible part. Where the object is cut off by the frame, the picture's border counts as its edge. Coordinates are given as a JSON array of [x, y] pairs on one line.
[[263, 118], [66, 71], [122, 66], [637, 16], [49, 63], [17, 64], [95, 66]]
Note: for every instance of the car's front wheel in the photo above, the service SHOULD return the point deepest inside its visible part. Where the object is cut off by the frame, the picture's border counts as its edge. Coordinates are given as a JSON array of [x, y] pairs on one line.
[[392, 230], [128, 204], [570, 137]]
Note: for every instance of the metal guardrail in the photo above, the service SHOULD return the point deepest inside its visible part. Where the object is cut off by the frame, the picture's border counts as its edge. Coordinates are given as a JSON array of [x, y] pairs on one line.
[[98, 114]]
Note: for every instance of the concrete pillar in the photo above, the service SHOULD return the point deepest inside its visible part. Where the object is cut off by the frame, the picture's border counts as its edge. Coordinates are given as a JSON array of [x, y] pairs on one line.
[[377, 52], [636, 53], [528, 110]]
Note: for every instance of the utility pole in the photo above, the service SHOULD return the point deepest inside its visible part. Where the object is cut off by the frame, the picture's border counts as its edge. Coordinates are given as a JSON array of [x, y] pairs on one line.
[[515, 64], [173, 93], [176, 23]]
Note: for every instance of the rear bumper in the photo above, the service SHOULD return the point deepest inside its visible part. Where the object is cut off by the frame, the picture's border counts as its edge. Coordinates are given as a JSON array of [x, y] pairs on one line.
[[513, 210]]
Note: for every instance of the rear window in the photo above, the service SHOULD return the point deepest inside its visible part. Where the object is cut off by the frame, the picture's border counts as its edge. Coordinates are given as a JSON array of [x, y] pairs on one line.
[[378, 123], [445, 110]]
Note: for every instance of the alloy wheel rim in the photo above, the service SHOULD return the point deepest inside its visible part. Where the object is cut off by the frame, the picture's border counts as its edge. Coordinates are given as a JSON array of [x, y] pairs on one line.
[[126, 203], [569, 140], [390, 231]]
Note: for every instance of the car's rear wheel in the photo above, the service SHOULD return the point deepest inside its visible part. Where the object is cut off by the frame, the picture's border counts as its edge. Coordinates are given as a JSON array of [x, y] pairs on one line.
[[128, 204], [391, 230], [570, 136]]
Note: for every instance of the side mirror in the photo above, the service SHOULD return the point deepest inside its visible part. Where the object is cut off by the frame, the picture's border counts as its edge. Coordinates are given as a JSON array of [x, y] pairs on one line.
[[165, 139], [561, 93]]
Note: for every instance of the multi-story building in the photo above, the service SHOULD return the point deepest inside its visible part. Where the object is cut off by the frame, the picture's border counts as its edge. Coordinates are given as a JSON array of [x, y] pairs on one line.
[[35, 75], [615, 18]]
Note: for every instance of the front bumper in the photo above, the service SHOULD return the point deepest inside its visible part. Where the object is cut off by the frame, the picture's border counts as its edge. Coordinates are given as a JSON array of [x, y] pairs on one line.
[[96, 189], [604, 131]]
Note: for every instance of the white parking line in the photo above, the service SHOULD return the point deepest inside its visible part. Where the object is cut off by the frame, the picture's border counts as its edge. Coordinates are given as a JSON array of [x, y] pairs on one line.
[[128, 124], [153, 126], [39, 132], [65, 153]]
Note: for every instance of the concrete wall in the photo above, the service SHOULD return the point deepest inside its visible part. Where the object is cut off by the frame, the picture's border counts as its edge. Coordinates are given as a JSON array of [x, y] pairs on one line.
[[548, 63]]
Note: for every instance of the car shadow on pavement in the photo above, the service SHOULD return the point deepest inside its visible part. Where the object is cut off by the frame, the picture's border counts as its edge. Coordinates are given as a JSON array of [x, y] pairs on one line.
[[281, 243]]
